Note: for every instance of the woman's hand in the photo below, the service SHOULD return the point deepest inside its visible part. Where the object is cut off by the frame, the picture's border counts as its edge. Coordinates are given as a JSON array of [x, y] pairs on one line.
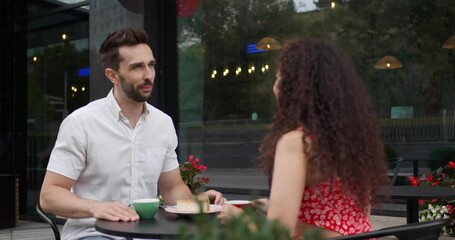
[[262, 203], [229, 211]]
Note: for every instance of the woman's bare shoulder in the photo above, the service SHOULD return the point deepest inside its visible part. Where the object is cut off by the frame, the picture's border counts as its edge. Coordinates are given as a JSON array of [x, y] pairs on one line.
[[292, 138]]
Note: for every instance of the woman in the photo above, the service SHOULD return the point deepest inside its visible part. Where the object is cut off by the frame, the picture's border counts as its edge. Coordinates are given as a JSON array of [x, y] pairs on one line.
[[323, 151]]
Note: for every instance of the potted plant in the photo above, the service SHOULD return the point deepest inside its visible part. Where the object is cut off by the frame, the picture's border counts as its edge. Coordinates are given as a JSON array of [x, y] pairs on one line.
[[437, 208], [190, 172]]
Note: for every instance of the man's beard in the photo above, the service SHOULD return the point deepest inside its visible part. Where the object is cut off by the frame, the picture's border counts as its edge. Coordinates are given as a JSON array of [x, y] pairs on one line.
[[132, 92]]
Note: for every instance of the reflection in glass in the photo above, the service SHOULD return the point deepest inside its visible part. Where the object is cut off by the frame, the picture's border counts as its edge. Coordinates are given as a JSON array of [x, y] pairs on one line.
[[57, 48], [217, 107], [449, 43], [388, 62]]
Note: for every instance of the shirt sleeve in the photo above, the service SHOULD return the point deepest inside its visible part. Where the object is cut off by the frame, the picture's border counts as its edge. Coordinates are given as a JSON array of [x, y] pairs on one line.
[[69, 153], [170, 158]]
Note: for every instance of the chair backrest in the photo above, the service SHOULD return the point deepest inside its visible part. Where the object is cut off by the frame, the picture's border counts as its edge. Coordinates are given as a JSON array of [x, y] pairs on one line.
[[430, 230], [395, 163], [47, 219]]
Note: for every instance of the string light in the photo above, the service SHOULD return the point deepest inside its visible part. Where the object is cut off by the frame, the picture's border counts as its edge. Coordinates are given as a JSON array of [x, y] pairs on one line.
[[251, 69], [238, 71]]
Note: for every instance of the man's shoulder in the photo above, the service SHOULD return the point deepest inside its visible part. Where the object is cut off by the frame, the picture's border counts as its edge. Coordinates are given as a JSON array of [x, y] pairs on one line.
[[155, 112], [91, 108]]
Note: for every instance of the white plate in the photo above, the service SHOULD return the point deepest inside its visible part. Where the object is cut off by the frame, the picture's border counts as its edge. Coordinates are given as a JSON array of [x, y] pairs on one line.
[[238, 202], [173, 209]]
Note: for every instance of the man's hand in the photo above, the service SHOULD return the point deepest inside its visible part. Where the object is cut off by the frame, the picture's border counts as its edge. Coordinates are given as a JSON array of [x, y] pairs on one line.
[[112, 211], [214, 196]]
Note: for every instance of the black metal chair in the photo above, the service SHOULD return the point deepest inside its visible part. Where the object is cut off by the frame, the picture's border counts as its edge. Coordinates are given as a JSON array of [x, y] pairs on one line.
[[396, 163], [430, 230], [48, 220]]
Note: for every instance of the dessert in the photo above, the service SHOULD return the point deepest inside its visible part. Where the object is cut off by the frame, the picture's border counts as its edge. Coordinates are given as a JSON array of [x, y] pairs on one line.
[[194, 205]]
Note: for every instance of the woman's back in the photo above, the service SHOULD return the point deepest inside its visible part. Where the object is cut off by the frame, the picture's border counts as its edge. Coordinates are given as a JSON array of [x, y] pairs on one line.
[[328, 206], [319, 91]]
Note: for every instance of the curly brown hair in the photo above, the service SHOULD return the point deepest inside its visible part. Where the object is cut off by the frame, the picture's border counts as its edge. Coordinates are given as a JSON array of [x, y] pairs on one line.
[[321, 92]]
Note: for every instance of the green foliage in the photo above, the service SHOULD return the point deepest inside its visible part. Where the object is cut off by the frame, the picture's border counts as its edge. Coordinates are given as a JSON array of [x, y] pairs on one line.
[[433, 209], [441, 156], [161, 200], [209, 228], [225, 28], [411, 30]]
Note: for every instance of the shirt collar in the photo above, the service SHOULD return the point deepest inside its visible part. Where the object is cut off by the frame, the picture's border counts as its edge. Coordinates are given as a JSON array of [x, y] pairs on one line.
[[115, 109]]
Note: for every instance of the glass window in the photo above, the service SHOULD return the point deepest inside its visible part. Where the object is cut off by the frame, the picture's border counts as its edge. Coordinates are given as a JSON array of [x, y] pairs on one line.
[[227, 50], [57, 81]]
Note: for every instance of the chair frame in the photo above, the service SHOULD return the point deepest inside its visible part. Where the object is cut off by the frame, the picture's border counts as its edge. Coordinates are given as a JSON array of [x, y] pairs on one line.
[[397, 162], [48, 220], [430, 230]]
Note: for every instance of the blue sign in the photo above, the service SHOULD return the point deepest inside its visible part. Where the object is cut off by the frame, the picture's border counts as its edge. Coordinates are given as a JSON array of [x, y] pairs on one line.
[[83, 72], [251, 48]]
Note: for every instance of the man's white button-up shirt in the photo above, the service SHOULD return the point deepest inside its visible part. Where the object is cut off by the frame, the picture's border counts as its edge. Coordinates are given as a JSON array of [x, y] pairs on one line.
[[108, 159]]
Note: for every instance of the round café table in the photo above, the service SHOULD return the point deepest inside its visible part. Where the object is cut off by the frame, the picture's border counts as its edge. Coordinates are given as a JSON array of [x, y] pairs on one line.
[[412, 194], [164, 225]]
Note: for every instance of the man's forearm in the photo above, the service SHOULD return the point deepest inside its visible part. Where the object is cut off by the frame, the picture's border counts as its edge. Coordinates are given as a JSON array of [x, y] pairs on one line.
[[61, 202], [177, 192]]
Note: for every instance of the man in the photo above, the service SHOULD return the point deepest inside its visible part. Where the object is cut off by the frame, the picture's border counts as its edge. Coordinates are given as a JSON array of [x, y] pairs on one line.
[[116, 149]]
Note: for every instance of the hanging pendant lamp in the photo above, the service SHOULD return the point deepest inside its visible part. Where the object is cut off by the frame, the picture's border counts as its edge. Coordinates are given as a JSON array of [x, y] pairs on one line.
[[388, 62]]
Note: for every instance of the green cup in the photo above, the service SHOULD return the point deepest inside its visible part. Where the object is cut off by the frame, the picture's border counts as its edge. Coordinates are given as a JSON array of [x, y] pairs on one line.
[[146, 207]]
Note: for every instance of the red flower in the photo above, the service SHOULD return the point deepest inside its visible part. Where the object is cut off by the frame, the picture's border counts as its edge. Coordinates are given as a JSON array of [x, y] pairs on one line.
[[451, 164], [444, 176], [414, 180], [190, 171], [435, 183]]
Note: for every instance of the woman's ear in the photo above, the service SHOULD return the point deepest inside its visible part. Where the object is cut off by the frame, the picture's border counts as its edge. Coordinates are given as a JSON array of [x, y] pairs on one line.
[[111, 74]]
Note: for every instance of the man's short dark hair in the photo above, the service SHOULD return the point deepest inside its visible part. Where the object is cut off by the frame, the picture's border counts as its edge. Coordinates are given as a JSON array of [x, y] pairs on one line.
[[109, 55]]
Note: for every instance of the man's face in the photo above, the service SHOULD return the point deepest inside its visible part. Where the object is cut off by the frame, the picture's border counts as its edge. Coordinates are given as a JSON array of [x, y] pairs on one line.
[[133, 92], [136, 72]]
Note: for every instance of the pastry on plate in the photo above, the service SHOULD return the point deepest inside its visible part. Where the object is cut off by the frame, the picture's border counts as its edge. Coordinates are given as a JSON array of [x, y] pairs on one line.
[[196, 204]]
